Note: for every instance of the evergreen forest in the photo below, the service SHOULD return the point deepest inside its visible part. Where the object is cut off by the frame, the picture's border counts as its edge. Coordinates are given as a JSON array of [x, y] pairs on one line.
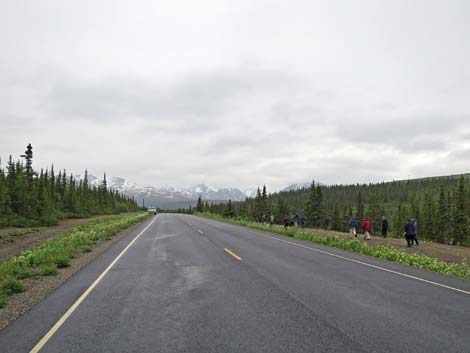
[[29, 197], [441, 206]]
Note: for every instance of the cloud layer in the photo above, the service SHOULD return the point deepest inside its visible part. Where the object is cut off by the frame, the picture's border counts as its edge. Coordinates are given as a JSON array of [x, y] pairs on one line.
[[238, 95]]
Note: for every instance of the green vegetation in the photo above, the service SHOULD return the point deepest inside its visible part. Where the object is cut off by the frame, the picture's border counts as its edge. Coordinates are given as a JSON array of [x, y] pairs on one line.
[[45, 259], [30, 198], [441, 205], [382, 252], [19, 232]]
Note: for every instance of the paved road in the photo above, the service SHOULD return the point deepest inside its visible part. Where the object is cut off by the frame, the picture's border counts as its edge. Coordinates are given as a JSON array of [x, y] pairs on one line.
[[176, 289]]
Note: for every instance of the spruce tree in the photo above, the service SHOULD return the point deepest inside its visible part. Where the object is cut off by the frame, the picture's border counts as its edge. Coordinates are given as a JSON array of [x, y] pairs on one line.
[[199, 205], [460, 214], [313, 205], [442, 219]]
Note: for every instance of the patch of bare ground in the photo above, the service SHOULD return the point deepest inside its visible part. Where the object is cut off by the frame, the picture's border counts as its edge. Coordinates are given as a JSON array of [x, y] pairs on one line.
[[14, 245], [444, 252], [37, 288]]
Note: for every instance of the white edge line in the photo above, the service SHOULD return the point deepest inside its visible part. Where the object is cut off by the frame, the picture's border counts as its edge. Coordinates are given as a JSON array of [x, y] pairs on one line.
[[200, 231], [363, 263], [75, 305]]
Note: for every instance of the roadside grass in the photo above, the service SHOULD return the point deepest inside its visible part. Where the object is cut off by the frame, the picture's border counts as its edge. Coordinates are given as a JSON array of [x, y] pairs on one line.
[[19, 232], [47, 258], [458, 270]]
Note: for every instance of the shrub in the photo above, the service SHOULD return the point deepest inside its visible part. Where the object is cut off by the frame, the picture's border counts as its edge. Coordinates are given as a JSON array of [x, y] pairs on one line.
[[48, 271], [3, 300], [11, 286]]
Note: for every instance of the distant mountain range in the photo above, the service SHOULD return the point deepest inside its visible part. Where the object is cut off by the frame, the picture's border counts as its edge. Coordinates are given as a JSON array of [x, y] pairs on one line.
[[171, 197]]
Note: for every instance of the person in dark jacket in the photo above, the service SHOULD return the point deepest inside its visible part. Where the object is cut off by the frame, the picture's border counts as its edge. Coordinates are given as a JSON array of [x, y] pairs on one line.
[[384, 226], [415, 233], [302, 221], [410, 232], [286, 221], [296, 220], [327, 222]]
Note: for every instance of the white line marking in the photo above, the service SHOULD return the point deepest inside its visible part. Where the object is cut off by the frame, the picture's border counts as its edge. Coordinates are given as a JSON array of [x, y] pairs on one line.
[[200, 231], [75, 305], [362, 263]]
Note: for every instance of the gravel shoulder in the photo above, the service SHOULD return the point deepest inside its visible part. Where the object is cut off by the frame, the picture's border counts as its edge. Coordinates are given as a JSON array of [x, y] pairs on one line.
[[38, 288]]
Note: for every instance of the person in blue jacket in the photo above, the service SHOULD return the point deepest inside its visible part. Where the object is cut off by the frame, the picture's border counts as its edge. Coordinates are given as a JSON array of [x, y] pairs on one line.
[[353, 227]]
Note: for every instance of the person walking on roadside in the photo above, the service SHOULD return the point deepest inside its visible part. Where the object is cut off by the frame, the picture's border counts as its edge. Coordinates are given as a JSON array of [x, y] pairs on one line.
[[286, 221], [366, 226], [271, 220], [263, 219], [296, 220], [302, 221], [384, 227], [409, 232], [327, 222], [353, 227], [415, 232]]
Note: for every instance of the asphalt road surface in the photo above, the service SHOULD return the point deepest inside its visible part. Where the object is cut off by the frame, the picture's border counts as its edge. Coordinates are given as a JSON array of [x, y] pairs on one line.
[[186, 284]]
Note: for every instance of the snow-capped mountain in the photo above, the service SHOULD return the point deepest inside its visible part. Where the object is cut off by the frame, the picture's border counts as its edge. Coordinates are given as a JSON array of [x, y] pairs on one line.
[[168, 196], [298, 186]]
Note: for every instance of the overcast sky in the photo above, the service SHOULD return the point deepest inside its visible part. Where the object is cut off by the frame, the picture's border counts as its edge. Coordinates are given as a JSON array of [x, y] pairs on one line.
[[238, 93]]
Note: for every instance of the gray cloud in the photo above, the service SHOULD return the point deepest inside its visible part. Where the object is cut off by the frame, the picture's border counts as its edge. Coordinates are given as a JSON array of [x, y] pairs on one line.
[[219, 94]]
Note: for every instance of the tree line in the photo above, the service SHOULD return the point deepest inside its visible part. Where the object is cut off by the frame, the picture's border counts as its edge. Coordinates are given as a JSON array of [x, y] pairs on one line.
[[441, 205], [29, 197]]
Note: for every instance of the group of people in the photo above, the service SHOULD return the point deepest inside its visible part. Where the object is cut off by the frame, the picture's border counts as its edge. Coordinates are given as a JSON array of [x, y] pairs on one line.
[[294, 221], [367, 227], [411, 227]]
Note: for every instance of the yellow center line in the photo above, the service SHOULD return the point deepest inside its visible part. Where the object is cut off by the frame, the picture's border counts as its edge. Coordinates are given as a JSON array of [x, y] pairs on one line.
[[233, 254]]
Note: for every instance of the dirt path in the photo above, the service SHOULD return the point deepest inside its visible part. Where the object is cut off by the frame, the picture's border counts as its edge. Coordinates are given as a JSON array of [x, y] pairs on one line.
[[447, 253], [13, 245]]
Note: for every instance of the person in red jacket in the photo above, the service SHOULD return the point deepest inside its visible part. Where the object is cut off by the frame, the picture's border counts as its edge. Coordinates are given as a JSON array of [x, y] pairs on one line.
[[366, 226]]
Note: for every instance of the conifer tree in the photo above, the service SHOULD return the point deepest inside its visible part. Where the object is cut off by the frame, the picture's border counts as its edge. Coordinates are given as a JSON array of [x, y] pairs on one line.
[[199, 205], [460, 214], [313, 207]]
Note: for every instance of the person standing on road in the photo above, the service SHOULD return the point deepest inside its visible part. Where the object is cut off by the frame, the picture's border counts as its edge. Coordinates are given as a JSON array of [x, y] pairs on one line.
[[353, 227], [302, 221], [366, 226], [286, 221], [409, 232], [384, 227], [271, 221], [327, 222]]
